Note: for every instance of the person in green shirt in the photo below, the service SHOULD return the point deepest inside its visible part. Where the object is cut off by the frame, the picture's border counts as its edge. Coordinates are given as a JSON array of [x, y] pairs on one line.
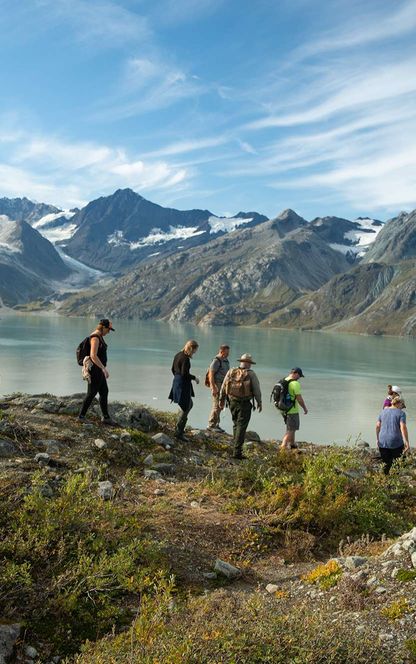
[[292, 419]]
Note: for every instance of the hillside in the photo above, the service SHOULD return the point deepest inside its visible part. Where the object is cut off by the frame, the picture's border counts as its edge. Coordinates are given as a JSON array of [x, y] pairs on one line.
[[157, 550], [240, 278]]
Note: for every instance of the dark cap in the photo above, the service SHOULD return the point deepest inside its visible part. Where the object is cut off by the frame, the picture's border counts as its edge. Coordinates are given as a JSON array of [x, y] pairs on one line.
[[107, 323], [299, 371]]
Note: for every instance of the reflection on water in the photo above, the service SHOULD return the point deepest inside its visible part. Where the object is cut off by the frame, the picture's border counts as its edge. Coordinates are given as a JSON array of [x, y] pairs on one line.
[[344, 385]]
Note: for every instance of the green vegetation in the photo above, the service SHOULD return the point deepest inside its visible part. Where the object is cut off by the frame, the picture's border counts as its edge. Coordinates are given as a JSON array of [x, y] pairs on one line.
[[73, 564], [322, 494], [232, 628], [405, 575], [396, 609], [326, 576]]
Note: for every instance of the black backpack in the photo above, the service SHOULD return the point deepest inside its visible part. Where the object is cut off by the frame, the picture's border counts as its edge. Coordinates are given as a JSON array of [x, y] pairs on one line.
[[281, 397], [83, 350]]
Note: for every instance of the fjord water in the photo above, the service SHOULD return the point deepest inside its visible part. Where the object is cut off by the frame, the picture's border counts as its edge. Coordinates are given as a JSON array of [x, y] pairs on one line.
[[344, 385]]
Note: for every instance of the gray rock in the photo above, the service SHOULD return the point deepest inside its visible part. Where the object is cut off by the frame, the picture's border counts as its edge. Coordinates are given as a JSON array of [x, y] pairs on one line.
[[362, 445], [380, 590], [352, 562], [272, 588], [384, 636], [163, 439], [359, 576], [46, 491], [100, 443], [395, 572], [165, 468], [125, 437], [152, 474], [105, 490], [195, 504], [159, 492], [253, 436], [148, 461], [31, 652], [71, 407], [7, 449], [413, 558], [51, 446], [42, 457], [210, 576], [8, 637], [134, 417], [48, 405], [226, 569]]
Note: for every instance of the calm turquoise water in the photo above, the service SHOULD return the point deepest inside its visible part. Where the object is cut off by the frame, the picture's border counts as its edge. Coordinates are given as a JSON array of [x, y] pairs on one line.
[[344, 385]]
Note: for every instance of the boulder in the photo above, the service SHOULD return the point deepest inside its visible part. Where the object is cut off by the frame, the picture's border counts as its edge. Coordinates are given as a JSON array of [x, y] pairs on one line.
[[100, 443], [163, 439], [164, 468], [105, 490], [42, 457], [152, 474], [8, 637], [252, 435], [133, 417], [352, 562], [226, 569], [7, 449], [51, 446]]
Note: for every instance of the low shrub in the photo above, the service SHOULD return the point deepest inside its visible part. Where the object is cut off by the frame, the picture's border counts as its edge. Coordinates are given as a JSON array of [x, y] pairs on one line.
[[233, 628], [326, 576], [396, 609], [72, 566]]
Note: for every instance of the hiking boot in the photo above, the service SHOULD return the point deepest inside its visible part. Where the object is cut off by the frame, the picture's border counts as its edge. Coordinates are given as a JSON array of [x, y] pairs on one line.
[[239, 457], [182, 437], [83, 420], [109, 422], [215, 429]]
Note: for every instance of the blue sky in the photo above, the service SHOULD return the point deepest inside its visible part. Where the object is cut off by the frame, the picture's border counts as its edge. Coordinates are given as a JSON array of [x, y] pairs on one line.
[[227, 105]]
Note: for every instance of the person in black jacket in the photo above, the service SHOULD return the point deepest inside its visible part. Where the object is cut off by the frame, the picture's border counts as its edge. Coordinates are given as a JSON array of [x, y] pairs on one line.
[[98, 372], [182, 390]]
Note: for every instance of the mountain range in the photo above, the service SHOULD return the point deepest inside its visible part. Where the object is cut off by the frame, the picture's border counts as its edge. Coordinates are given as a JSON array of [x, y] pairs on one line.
[[142, 260]]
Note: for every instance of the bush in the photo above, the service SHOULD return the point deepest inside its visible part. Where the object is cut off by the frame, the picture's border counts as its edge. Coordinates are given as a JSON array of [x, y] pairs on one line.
[[73, 564], [231, 628], [326, 576]]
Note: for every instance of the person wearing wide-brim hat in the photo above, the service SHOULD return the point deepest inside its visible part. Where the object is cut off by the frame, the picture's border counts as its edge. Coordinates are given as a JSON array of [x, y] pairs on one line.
[[241, 388]]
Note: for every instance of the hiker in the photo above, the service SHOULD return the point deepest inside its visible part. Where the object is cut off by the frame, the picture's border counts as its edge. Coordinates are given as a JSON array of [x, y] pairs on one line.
[[216, 374], [291, 417], [182, 390], [241, 388], [392, 391], [96, 366], [391, 433]]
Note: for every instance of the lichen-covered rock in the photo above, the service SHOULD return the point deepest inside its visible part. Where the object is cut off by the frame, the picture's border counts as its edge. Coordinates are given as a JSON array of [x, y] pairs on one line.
[[226, 569], [8, 637], [7, 449], [105, 490]]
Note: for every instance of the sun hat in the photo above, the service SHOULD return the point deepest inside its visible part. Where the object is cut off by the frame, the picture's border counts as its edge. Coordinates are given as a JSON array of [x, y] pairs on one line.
[[246, 357], [396, 389]]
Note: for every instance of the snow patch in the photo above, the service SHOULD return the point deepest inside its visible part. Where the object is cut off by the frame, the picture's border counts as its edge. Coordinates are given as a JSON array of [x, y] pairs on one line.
[[9, 242], [156, 236], [360, 238], [56, 233], [226, 224]]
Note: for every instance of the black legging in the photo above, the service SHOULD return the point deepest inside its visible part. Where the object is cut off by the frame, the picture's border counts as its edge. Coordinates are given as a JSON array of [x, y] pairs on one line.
[[99, 385]]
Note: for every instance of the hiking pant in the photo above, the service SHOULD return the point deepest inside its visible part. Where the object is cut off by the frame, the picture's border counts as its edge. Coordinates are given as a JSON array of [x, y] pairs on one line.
[[98, 385], [241, 413], [214, 416], [388, 455], [183, 418]]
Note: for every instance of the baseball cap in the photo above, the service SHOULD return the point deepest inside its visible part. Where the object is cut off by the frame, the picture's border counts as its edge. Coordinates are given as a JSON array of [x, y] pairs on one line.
[[299, 371], [107, 323]]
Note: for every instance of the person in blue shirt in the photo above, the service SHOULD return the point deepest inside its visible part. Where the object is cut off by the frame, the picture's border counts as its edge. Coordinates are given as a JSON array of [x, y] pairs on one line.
[[391, 432]]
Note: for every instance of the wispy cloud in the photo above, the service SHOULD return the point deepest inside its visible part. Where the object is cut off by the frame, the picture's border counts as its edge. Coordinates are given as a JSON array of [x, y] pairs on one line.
[[43, 166], [98, 23]]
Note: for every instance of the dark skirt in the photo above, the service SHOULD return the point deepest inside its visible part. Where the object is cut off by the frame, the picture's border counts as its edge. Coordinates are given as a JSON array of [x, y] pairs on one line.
[[181, 391]]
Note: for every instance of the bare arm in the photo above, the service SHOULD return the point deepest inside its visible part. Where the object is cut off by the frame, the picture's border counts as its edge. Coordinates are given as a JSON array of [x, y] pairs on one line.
[[405, 436], [378, 427], [211, 377], [299, 399], [94, 345]]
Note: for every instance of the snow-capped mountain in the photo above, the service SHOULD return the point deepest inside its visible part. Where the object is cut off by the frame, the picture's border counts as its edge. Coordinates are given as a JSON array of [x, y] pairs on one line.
[[352, 238], [117, 232]]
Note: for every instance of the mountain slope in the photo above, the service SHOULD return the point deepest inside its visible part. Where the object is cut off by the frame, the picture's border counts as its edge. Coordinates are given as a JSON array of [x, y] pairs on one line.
[[396, 240], [28, 263], [22, 209], [118, 231], [238, 278]]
